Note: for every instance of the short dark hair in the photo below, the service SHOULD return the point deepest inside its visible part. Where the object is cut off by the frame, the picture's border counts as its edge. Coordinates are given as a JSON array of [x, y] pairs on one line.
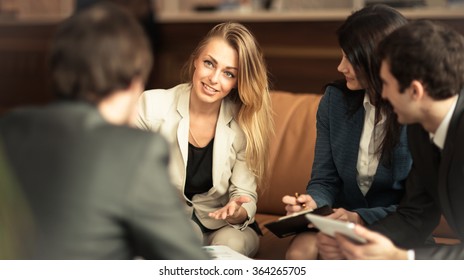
[[429, 52], [97, 51]]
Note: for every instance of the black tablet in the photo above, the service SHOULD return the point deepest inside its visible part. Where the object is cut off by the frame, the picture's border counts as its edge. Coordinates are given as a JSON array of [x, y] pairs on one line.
[[296, 223]]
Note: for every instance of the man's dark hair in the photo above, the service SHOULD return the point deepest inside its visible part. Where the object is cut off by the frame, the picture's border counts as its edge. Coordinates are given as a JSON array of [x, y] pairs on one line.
[[429, 52], [97, 51]]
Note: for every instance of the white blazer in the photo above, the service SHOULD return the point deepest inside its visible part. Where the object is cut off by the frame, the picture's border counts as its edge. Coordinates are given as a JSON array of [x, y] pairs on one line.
[[167, 112]]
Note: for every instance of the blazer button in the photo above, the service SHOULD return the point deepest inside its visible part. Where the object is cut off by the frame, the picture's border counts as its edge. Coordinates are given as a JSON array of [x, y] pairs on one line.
[[189, 203]]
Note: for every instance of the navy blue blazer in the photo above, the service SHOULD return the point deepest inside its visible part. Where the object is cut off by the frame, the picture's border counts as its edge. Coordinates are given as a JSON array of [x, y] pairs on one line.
[[333, 178]]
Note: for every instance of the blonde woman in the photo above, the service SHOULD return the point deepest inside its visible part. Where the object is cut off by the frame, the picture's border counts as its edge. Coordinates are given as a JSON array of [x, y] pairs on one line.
[[218, 126]]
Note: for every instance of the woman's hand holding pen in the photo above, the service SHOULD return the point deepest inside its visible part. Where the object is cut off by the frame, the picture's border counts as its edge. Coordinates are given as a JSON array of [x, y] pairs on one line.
[[298, 203]]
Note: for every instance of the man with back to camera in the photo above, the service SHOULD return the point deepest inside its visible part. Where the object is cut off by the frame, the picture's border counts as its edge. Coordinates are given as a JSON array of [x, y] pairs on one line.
[[423, 78], [97, 189]]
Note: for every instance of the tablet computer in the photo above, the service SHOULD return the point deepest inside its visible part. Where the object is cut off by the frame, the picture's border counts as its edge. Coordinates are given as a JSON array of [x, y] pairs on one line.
[[331, 226]]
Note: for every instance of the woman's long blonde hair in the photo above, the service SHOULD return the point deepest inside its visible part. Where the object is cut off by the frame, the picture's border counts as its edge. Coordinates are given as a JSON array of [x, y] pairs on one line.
[[252, 97]]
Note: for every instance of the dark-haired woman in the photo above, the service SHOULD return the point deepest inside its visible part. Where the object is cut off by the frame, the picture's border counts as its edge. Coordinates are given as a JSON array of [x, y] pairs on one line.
[[361, 155]]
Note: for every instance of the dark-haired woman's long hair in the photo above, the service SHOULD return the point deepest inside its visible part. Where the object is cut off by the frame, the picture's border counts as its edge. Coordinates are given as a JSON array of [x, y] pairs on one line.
[[359, 37]]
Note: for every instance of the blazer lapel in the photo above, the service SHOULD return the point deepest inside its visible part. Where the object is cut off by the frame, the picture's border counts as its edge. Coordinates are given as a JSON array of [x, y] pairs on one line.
[[184, 125], [446, 158], [223, 140]]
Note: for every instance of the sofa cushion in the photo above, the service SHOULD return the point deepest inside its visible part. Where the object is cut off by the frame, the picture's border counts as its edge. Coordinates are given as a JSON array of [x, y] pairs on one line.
[[291, 159], [291, 150], [443, 234]]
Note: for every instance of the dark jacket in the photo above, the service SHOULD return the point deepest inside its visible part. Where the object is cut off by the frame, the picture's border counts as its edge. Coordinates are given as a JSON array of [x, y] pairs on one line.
[[435, 186], [333, 178], [96, 191]]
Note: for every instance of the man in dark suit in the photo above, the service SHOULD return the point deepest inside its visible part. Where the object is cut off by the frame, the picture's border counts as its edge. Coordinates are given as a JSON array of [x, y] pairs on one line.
[[96, 188], [423, 77]]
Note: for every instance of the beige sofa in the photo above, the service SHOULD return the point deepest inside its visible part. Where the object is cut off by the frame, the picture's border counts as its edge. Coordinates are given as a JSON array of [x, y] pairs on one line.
[[291, 157]]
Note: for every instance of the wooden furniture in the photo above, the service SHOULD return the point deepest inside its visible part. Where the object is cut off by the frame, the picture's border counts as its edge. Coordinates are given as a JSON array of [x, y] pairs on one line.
[[300, 48], [23, 56], [301, 56]]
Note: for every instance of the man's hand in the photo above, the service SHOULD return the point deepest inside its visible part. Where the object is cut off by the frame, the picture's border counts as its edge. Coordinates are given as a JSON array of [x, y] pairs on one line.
[[328, 247], [378, 247]]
